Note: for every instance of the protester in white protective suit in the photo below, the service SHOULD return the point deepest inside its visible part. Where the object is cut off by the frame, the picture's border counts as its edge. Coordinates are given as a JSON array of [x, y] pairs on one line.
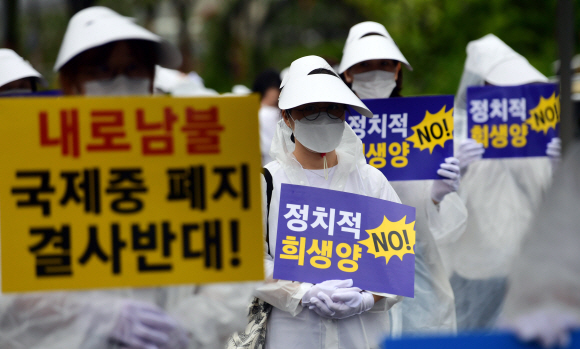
[[267, 84], [178, 84], [101, 54], [543, 301], [371, 62], [501, 195], [17, 76], [313, 146]]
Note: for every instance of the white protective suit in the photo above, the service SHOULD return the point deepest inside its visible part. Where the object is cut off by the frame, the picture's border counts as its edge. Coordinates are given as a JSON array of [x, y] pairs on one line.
[[56, 320], [269, 117], [501, 196], [543, 301], [290, 325], [433, 307]]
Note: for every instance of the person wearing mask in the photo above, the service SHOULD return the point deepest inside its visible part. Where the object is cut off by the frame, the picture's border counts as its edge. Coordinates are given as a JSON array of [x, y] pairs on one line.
[[267, 84], [17, 76], [104, 53], [501, 195], [371, 64], [313, 146]]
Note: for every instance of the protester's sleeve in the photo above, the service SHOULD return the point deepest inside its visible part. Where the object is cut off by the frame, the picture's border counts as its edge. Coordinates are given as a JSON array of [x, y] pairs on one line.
[[57, 320]]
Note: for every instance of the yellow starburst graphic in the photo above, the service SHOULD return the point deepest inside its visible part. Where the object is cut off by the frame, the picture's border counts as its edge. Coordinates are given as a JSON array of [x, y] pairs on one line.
[[545, 115], [391, 239], [434, 130]]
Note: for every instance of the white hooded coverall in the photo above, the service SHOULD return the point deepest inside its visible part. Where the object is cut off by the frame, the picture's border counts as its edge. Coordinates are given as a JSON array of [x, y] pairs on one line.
[[290, 325]]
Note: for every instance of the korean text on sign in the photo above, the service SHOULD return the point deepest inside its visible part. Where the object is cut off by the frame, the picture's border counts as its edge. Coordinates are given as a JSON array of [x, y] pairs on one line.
[[407, 138], [324, 234], [513, 121], [139, 191]]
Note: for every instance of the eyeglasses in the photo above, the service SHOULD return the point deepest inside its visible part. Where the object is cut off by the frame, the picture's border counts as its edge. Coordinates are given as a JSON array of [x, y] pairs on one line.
[[311, 112]]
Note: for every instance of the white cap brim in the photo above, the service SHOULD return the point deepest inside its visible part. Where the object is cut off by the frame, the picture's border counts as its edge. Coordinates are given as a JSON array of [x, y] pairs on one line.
[[319, 88], [97, 26], [371, 47], [13, 67], [515, 71]]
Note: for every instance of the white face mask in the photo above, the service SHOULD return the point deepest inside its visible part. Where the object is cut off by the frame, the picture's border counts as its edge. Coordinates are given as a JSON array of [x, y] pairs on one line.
[[121, 85], [374, 84], [321, 135], [17, 91]]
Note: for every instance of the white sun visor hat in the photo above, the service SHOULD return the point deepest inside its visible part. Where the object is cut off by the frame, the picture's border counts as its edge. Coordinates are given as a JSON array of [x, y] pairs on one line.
[[96, 26], [499, 64], [13, 67], [301, 87], [359, 48]]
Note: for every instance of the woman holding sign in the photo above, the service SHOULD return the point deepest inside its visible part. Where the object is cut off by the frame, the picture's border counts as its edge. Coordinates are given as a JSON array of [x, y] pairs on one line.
[[501, 194], [313, 146], [104, 53], [371, 63]]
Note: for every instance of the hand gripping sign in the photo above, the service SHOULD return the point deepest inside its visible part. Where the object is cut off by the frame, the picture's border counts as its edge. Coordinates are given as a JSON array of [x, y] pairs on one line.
[[113, 192], [407, 138], [513, 121], [325, 235]]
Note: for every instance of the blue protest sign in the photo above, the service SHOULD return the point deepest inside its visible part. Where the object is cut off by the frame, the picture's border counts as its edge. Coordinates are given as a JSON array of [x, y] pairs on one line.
[[513, 121], [326, 234], [407, 138], [47, 93], [472, 341]]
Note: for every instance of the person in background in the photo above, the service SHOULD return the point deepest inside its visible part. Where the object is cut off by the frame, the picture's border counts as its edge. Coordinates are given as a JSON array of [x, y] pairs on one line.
[[313, 146], [267, 84], [543, 300], [177, 84], [501, 195], [104, 53], [371, 64], [17, 76]]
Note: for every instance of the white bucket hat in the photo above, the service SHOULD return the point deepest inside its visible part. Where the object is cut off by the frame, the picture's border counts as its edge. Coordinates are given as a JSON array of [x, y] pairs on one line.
[[499, 64], [301, 87], [96, 26], [13, 67], [359, 48]]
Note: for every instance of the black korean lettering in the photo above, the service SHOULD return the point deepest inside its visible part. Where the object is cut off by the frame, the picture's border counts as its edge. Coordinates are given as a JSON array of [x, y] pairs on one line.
[[188, 183], [90, 187], [118, 244], [33, 192], [94, 248], [187, 231], [146, 240], [226, 187], [127, 183], [52, 263], [212, 244]]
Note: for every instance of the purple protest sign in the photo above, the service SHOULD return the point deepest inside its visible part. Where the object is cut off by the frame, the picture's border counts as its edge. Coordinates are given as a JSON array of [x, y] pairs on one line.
[[513, 121], [407, 138], [326, 234]]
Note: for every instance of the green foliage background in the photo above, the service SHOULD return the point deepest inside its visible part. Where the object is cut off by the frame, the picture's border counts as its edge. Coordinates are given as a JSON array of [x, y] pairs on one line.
[[432, 34]]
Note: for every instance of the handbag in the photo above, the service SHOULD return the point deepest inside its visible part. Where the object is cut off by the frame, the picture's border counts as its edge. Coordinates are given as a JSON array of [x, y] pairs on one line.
[[254, 335]]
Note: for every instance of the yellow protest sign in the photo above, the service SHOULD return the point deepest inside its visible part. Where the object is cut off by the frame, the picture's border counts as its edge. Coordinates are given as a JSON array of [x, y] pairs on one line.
[[115, 192]]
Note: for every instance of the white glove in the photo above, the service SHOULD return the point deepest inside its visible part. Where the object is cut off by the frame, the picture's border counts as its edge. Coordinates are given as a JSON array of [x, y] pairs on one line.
[[548, 327], [343, 303], [327, 287], [450, 170], [144, 326], [469, 151], [554, 152]]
